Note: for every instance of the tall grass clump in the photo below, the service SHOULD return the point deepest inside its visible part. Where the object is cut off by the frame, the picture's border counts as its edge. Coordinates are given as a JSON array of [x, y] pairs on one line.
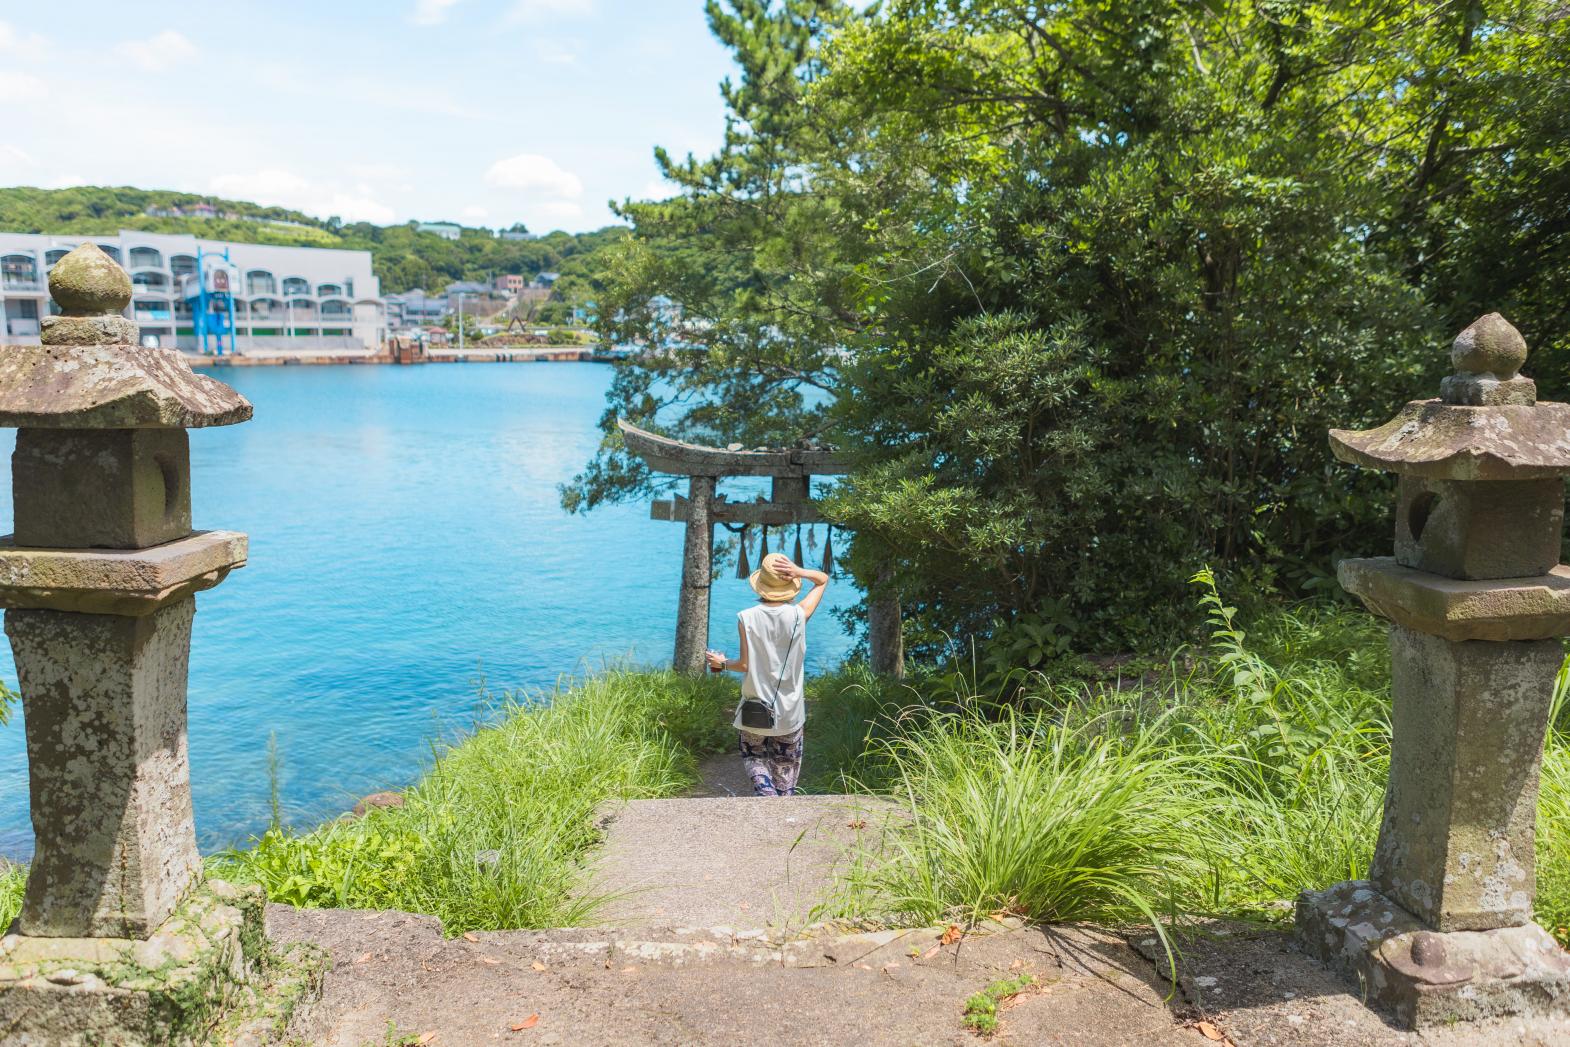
[[13, 879], [1553, 818], [494, 834], [1030, 817], [1225, 783]]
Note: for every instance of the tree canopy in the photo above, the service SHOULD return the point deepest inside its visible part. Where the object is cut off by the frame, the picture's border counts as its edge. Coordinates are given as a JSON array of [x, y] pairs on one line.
[[1079, 286]]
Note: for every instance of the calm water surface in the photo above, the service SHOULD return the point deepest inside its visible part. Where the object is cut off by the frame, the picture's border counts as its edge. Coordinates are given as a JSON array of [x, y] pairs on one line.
[[406, 542]]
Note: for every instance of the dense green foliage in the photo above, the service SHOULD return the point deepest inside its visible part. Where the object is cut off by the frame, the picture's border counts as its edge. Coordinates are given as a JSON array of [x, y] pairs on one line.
[[402, 257], [1080, 286], [494, 833], [1223, 783]]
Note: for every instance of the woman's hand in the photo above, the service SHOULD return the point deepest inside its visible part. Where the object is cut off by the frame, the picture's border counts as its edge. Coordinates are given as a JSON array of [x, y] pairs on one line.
[[787, 570], [716, 661]]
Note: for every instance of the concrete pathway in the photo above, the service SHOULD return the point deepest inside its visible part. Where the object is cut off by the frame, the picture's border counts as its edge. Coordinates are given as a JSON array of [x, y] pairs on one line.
[[751, 862]]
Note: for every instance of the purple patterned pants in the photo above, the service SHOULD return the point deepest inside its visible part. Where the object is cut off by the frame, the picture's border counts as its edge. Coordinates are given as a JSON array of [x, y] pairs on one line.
[[774, 763]]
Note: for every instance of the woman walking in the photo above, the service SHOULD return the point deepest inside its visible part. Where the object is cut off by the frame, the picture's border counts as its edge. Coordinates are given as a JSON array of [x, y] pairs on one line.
[[773, 710]]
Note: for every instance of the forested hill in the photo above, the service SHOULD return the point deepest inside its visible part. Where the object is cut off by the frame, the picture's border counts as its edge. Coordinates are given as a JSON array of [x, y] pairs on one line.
[[403, 258]]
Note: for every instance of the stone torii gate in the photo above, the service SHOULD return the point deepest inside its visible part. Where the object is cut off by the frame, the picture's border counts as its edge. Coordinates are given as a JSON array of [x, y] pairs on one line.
[[791, 470]]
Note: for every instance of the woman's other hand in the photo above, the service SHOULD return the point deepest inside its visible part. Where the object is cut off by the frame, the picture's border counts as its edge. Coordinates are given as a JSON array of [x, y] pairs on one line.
[[716, 661]]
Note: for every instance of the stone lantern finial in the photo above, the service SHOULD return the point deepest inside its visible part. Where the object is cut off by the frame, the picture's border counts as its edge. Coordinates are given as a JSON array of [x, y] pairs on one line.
[[92, 291], [1487, 357], [87, 282]]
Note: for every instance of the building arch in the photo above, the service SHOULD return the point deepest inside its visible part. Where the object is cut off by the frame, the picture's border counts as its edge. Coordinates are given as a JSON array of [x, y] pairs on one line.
[[144, 257], [260, 282], [337, 309], [294, 286]]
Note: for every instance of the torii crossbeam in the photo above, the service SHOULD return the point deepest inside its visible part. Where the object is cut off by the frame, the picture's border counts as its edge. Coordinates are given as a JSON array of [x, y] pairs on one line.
[[791, 502]]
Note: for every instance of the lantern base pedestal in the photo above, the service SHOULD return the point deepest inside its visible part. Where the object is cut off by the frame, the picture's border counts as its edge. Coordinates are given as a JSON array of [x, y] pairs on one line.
[[206, 975], [1428, 978]]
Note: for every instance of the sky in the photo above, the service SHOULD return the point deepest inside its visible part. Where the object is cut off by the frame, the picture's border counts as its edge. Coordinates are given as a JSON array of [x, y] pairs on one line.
[[485, 112]]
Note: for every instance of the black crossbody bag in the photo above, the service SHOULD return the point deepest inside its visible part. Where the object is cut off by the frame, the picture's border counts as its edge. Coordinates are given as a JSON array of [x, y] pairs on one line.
[[755, 712]]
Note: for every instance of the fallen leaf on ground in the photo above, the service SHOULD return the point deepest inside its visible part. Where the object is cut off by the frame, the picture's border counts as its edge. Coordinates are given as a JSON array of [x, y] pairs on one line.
[[428, 1037], [915, 951], [1016, 965], [528, 1023], [537, 965], [470, 936], [1209, 1032], [629, 970], [951, 935], [930, 953], [859, 823], [363, 958], [493, 961]]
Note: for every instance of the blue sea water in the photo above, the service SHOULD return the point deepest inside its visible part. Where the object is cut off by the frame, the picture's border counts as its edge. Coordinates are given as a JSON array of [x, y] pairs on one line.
[[407, 541]]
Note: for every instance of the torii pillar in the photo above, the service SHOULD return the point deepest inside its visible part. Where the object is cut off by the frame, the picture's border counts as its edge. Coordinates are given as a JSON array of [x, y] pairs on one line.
[[697, 574]]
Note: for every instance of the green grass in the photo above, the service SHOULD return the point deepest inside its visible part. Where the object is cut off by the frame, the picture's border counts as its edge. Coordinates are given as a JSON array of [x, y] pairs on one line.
[[1242, 774], [13, 878], [494, 834]]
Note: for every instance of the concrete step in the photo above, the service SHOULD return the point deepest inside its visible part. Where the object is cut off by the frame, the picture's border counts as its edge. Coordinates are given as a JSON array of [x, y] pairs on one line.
[[747, 862]]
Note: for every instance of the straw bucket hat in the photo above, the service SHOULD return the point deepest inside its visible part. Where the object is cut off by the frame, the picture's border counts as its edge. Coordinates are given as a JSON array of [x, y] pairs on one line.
[[768, 584]]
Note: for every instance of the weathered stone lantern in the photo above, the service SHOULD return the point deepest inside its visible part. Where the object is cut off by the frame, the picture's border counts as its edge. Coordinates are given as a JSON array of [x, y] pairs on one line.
[[119, 940], [1476, 598]]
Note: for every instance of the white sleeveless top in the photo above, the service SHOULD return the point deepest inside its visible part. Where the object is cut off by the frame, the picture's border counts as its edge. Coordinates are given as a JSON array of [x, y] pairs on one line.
[[773, 659]]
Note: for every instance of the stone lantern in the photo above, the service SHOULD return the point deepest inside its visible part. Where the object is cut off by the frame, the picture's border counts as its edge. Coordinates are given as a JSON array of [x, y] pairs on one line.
[[119, 940], [1477, 600]]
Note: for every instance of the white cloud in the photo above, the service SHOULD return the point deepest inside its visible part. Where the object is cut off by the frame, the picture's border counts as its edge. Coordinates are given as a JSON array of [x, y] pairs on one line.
[[279, 188], [159, 52], [532, 173], [14, 41], [475, 211], [18, 86], [430, 12], [538, 10]]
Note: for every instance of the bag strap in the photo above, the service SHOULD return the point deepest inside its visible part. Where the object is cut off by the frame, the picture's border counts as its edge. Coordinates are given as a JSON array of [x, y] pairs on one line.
[[785, 662]]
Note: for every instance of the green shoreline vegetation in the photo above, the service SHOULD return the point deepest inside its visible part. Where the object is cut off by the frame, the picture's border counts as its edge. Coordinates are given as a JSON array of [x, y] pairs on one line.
[[402, 256], [1220, 781]]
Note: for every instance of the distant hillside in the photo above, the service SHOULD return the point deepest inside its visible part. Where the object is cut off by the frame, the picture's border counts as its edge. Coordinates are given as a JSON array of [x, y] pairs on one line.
[[402, 258]]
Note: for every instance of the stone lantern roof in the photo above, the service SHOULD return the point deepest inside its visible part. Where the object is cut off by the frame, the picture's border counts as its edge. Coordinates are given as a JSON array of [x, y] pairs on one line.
[[90, 374], [1485, 425]]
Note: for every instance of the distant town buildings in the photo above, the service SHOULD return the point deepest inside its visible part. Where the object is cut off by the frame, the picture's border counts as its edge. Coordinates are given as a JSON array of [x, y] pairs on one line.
[[546, 279], [445, 230], [511, 283], [414, 309], [257, 296]]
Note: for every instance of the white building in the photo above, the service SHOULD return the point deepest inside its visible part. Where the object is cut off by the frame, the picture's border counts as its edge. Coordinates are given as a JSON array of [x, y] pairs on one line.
[[281, 297]]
